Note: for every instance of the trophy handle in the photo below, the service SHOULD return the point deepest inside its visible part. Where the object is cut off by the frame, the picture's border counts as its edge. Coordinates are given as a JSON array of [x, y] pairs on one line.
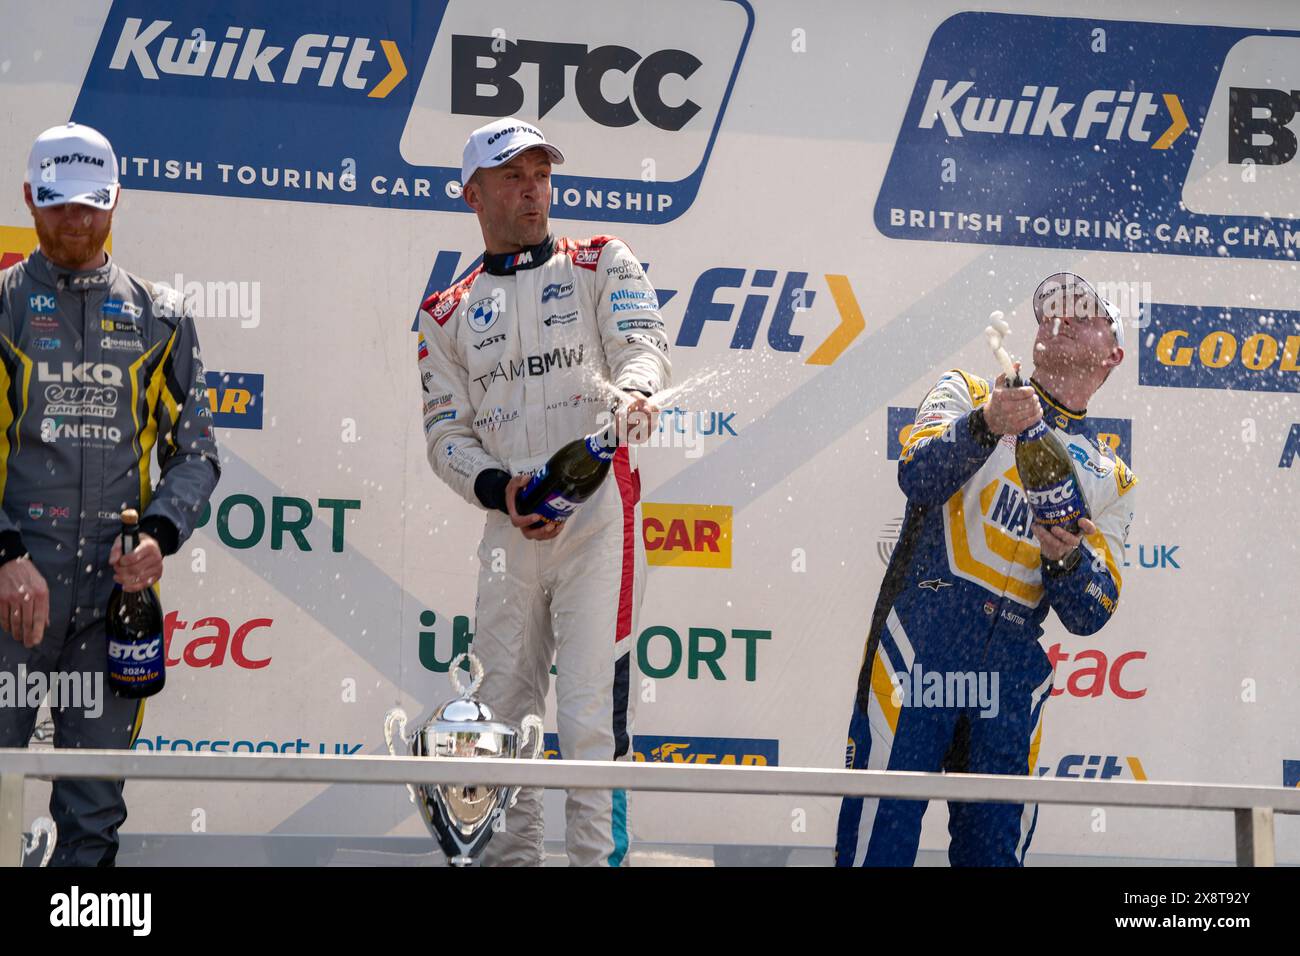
[[41, 826], [397, 716], [394, 716], [475, 673], [531, 730]]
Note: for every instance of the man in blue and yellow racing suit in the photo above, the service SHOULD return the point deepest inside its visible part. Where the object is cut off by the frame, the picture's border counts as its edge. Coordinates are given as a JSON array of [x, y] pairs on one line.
[[953, 677]]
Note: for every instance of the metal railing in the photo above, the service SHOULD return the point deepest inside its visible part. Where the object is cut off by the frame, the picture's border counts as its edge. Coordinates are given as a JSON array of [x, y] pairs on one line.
[[1253, 807]]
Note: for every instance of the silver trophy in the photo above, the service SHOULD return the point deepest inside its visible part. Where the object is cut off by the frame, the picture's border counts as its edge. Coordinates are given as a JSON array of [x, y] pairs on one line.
[[461, 817], [41, 827]]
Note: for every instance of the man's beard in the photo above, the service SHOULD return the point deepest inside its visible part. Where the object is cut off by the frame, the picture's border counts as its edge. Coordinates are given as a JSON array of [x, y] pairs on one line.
[[73, 252]]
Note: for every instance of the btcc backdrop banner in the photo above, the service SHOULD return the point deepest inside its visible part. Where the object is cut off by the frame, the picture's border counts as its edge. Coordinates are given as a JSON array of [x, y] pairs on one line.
[[829, 199]]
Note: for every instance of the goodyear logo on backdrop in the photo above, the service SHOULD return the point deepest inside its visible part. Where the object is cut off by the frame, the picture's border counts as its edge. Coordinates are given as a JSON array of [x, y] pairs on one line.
[[686, 536], [1115, 434], [1291, 773], [392, 88], [1203, 347], [235, 399], [726, 751], [1186, 135]]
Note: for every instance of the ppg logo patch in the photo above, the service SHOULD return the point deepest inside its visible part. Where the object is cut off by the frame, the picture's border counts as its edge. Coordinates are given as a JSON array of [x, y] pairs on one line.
[[43, 304], [235, 399]]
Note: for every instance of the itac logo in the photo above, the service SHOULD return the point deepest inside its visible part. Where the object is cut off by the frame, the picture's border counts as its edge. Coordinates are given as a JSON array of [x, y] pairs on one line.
[[1095, 767], [761, 298], [1092, 674], [244, 52]]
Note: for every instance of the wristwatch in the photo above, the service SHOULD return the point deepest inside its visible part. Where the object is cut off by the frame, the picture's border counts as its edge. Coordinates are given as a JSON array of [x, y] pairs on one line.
[[1062, 565]]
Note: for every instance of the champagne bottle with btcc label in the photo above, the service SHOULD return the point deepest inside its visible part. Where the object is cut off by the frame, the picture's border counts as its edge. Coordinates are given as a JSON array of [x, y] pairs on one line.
[[570, 477], [137, 665], [1048, 477]]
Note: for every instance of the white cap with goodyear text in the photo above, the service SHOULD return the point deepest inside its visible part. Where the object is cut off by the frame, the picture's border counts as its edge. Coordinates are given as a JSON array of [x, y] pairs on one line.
[[1068, 295], [498, 142], [73, 163]]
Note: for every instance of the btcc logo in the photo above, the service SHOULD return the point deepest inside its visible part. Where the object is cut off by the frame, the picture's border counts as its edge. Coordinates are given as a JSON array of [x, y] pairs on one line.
[[1121, 113], [1051, 496], [1264, 139], [317, 58], [487, 62], [137, 652]]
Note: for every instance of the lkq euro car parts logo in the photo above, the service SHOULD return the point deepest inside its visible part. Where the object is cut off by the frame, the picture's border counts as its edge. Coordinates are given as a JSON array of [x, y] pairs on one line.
[[1186, 137], [406, 83]]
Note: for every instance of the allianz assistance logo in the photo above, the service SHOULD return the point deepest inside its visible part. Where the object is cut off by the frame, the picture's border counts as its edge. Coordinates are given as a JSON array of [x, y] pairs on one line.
[[1184, 138], [1203, 347], [394, 87]]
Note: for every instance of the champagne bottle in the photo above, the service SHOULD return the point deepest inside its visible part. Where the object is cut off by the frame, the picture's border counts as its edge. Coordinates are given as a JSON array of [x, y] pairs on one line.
[[137, 665], [1048, 477], [570, 476]]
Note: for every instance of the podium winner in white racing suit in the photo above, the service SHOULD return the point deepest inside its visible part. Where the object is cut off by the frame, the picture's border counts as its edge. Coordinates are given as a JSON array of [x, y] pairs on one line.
[[511, 363]]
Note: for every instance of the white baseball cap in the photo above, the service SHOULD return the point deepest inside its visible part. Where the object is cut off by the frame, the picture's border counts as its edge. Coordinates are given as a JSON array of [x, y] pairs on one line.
[[72, 163], [1066, 294], [500, 141]]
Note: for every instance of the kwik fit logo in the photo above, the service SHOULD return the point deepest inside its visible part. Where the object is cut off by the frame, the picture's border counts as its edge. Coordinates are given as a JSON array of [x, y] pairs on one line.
[[160, 48]]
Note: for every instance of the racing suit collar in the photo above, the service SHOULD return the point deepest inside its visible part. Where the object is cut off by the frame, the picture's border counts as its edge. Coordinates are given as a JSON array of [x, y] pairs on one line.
[[47, 272], [1063, 417], [508, 263]]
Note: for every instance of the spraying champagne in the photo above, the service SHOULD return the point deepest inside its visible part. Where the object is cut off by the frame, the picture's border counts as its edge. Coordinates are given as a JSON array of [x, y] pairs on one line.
[[1046, 469]]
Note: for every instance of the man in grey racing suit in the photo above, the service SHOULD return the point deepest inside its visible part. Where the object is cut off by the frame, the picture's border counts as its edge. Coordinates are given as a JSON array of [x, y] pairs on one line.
[[97, 368], [513, 361]]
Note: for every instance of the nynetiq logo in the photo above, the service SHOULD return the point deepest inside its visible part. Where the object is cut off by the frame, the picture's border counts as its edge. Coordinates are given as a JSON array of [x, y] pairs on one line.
[[1040, 110], [245, 53]]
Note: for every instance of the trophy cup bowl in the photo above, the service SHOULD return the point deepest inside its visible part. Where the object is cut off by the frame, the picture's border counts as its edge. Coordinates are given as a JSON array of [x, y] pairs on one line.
[[461, 817]]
